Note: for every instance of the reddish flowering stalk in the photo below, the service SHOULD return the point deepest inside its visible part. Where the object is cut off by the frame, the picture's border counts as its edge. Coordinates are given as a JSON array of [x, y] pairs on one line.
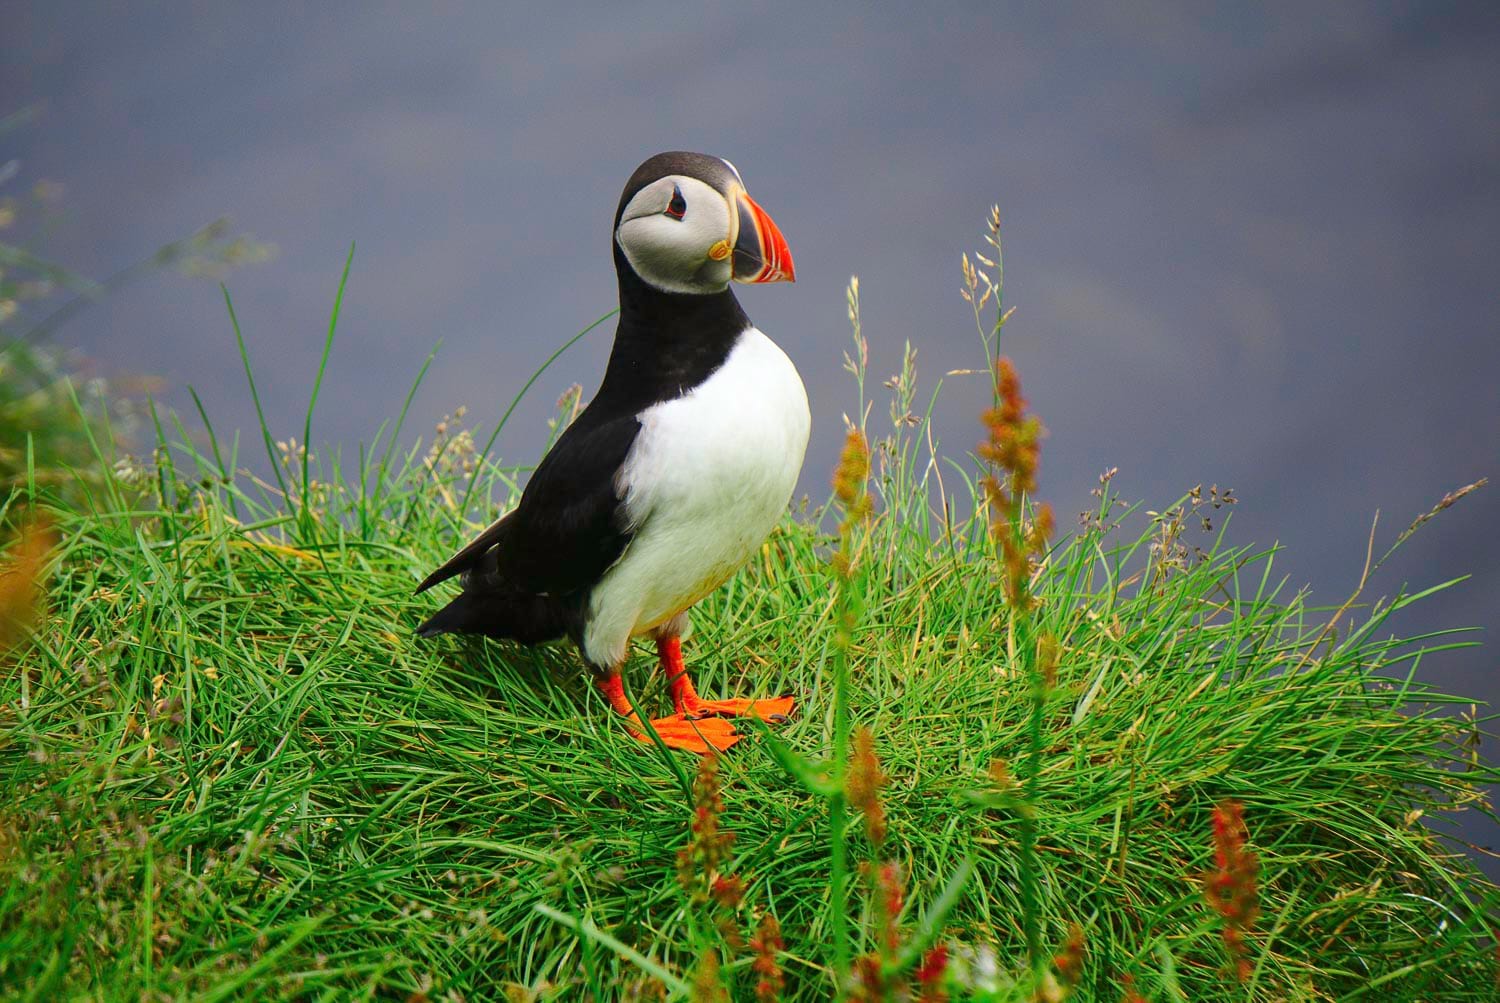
[[707, 850], [850, 475], [867, 981], [890, 896], [849, 479], [1013, 445], [1069, 960], [1001, 776], [1014, 449], [707, 987], [867, 976], [21, 582], [1047, 654], [1127, 981], [708, 847], [727, 891], [849, 486], [930, 976], [766, 944], [1231, 888], [863, 783]]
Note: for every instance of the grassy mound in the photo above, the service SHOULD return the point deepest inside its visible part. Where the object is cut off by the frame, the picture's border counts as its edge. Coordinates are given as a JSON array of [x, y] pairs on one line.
[[232, 772]]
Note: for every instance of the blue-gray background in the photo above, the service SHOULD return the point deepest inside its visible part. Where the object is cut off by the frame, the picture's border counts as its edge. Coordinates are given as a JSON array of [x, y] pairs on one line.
[[1251, 248]]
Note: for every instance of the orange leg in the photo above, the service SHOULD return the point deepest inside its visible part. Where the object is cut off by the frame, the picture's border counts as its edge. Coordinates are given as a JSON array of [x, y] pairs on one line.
[[677, 731], [689, 705]]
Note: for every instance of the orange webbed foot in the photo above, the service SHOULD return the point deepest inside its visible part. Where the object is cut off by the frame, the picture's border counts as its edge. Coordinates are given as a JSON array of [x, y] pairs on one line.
[[700, 736], [676, 732], [776, 710]]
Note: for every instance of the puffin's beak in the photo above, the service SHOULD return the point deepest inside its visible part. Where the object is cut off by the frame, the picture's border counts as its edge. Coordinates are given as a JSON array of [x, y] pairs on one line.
[[760, 251]]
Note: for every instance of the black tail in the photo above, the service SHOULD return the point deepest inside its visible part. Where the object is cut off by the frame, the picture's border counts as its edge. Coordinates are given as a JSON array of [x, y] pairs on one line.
[[451, 619], [529, 619]]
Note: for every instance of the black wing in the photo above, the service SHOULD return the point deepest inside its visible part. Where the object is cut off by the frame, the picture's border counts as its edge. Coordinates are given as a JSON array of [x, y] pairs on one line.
[[570, 525]]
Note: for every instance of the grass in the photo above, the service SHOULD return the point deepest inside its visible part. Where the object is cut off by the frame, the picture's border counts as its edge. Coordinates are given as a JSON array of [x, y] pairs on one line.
[[234, 773]]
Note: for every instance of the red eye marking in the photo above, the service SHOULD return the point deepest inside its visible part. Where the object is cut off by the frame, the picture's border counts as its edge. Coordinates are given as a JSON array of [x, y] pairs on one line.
[[677, 208]]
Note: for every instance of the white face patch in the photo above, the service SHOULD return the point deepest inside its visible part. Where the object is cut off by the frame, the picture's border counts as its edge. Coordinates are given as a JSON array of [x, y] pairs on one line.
[[668, 231]]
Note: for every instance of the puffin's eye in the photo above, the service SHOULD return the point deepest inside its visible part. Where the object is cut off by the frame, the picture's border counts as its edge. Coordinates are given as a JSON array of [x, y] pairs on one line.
[[677, 208]]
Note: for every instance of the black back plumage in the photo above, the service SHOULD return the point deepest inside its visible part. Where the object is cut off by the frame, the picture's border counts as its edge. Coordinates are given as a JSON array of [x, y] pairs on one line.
[[528, 576]]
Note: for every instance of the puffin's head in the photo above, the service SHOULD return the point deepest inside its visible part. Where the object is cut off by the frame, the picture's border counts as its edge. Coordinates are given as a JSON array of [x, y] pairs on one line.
[[686, 225]]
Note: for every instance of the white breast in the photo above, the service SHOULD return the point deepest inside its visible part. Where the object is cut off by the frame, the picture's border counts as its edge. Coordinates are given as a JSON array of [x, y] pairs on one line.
[[708, 477]]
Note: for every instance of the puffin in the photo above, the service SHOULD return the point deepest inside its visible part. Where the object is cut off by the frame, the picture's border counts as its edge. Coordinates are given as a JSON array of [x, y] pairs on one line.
[[676, 471]]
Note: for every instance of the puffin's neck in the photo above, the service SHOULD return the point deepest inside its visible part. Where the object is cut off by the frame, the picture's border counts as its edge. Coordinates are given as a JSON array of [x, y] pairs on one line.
[[667, 343]]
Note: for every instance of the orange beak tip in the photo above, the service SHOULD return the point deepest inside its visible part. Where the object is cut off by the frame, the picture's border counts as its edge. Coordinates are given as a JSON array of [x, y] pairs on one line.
[[761, 254]]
